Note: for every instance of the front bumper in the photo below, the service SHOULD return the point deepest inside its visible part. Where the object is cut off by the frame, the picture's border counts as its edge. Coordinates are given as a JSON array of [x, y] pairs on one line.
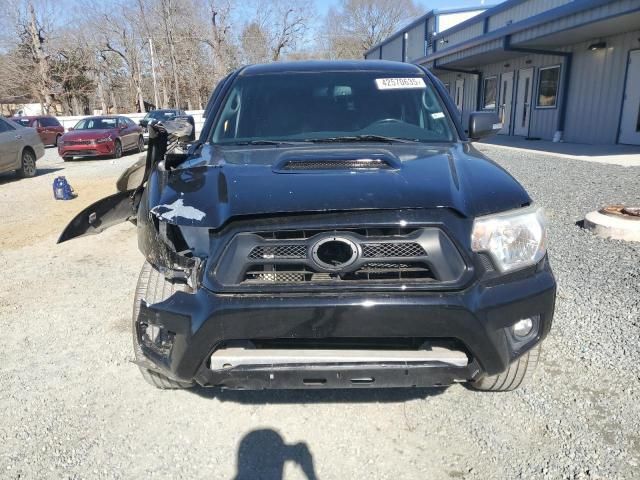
[[87, 150], [478, 317]]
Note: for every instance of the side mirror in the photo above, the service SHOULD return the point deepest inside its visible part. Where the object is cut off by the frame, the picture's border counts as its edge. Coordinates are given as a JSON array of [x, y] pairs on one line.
[[123, 127], [70, 129], [143, 123], [483, 124]]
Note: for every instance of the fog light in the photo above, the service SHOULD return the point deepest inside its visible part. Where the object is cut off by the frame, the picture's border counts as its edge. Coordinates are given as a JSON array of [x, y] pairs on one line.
[[523, 327], [157, 338]]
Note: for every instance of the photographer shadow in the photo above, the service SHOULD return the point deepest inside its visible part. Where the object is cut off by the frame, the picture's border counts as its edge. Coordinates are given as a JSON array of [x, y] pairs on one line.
[[263, 453]]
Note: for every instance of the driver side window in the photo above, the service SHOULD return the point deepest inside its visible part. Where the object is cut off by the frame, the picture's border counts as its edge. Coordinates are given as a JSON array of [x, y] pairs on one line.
[[228, 124]]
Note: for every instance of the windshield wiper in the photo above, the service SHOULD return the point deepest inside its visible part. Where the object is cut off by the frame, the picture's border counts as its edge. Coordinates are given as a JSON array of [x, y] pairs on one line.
[[363, 138], [267, 142]]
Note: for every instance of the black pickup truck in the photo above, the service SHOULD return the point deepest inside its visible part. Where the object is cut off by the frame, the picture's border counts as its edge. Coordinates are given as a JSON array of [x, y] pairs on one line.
[[333, 227]]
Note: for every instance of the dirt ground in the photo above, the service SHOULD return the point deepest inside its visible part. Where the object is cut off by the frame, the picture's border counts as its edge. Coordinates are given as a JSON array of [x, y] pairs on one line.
[[72, 405]]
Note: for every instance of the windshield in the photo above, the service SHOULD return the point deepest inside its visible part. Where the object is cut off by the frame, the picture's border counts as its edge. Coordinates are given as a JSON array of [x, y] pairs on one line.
[[160, 115], [95, 124], [335, 106]]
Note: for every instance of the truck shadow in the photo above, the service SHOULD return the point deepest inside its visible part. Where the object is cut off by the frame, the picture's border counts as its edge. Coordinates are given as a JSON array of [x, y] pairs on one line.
[[263, 453], [355, 395], [10, 177]]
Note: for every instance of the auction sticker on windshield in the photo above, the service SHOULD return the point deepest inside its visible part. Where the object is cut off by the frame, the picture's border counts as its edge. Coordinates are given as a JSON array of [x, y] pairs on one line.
[[399, 83]]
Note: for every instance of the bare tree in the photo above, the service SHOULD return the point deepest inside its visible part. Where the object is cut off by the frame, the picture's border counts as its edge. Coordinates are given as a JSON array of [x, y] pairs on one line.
[[357, 25], [105, 61], [276, 27], [255, 43]]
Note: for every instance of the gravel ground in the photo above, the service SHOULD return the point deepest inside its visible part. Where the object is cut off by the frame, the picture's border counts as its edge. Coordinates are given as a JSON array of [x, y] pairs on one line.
[[73, 406]]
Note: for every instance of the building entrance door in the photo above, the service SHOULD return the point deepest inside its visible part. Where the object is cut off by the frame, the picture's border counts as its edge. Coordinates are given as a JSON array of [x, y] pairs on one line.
[[523, 102], [630, 121], [506, 100]]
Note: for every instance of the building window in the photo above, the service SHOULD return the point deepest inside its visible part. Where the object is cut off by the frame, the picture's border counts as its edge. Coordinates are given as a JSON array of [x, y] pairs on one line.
[[548, 85], [490, 93]]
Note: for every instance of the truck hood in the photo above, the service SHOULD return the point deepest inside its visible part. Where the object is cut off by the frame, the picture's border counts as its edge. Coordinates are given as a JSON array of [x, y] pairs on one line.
[[224, 183]]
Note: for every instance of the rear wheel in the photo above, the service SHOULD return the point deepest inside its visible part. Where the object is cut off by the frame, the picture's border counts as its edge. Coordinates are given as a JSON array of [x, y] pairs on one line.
[[57, 140], [28, 164], [153, 287], [518, 373], [140, 144], [117, 149]]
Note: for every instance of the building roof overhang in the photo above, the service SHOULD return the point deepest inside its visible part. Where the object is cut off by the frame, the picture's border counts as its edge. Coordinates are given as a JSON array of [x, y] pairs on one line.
[[489, 48]]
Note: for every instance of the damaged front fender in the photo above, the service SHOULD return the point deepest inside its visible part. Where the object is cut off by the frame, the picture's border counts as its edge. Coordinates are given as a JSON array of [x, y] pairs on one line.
[[105, 213], [123, 206]]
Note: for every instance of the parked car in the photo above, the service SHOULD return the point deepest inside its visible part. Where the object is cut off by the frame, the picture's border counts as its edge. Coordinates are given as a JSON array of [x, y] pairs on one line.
[[333, 227], [164, 115], [101, 136], [20, 147], [48, 127]]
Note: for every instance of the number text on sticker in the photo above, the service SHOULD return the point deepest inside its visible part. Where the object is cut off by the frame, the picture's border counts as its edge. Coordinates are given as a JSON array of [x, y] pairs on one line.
[[399, 83]]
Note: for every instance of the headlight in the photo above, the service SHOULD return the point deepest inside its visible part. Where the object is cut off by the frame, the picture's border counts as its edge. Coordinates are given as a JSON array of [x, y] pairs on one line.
[[103, 140], [514, 239]]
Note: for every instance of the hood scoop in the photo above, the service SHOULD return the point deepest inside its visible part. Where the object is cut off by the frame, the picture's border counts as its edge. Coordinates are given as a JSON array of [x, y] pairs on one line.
[[320, 162]]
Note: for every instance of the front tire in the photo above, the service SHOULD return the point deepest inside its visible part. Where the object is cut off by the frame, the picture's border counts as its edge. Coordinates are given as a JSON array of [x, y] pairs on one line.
[[518, 373], [153, 287], [117, 149], [28, 164]]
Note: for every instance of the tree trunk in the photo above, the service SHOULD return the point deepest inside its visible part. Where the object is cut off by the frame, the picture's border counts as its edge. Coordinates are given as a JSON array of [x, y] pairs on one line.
[[166, 12], [139, 90], [42, 63], [114, 104], [103, 102], [75, 105]]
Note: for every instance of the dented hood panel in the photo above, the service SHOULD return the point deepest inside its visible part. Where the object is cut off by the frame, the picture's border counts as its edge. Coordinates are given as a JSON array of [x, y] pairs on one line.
[[224, 183]]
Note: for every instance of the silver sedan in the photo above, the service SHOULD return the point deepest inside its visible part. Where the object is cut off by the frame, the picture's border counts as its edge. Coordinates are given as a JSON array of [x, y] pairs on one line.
[[20, 147]]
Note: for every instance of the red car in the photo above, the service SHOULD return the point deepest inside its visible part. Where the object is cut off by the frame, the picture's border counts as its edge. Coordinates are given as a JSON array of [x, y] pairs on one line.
[[48, 127], [101, 136]]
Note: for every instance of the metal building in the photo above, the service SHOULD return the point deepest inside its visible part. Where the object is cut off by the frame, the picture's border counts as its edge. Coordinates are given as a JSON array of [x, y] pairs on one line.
[[552, 69]]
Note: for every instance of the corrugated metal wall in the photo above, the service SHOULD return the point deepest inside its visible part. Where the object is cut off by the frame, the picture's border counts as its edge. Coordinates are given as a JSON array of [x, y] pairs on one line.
[[596, 89], [586, 16], [460, 36], [415, 42], [522, 11], [543, 122], [373, 55], [393, 50]]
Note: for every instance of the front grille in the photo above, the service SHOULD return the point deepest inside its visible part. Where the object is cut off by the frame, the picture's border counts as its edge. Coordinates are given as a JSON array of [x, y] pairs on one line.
[[278, 252], [385, 256], [384, 250], [78, 142], [338, 164], [279, 274], [80, 152], [262, 274]]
